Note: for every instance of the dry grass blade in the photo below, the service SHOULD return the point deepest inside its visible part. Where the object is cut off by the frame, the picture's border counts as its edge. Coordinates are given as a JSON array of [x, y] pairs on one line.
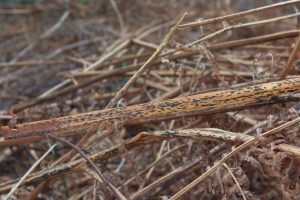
[[240, 14], [205, 133]]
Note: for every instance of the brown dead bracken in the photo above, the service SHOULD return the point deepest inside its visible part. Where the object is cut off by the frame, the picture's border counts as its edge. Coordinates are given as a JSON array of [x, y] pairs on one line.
[[206, 103]]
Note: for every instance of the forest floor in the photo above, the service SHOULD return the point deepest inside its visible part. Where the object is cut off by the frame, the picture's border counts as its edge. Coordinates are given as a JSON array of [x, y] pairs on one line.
[[149, 99]]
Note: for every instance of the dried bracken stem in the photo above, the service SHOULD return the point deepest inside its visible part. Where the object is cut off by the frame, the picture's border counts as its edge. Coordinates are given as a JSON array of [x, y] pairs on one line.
[[230, 155], [188, 97], [205, 103], [205, 133], [291, 59], [143, 68], [218, 135], [240, 14]]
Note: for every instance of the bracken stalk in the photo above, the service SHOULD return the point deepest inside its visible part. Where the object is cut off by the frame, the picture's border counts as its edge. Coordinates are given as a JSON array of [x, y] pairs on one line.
[[205, 103]]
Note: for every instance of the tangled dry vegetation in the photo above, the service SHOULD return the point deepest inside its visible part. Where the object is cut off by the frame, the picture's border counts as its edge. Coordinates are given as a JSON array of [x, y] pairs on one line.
[[141, 100]]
